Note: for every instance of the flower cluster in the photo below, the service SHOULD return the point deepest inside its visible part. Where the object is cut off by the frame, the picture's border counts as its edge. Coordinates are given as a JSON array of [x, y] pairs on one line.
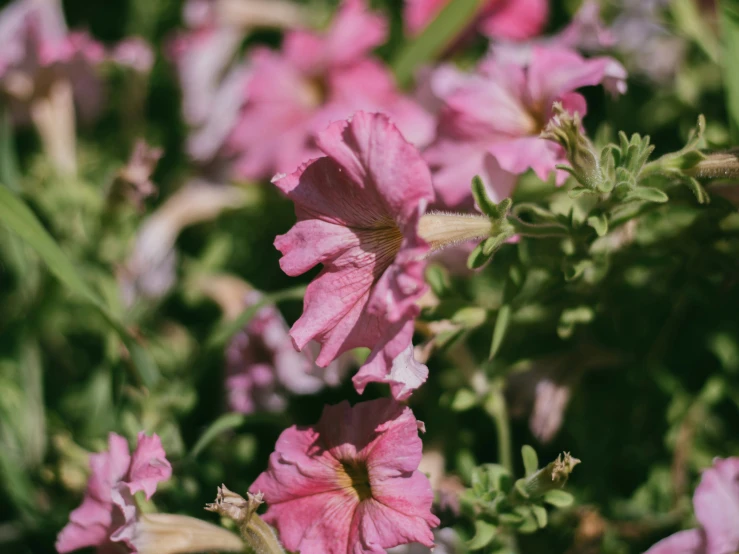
[[394, 135]]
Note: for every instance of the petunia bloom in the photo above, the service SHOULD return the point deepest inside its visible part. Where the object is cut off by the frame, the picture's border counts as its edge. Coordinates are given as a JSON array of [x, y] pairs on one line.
[[491, 119], [350, 483], [716, 503], [313, 80], [358, 211], [107, 507], [262, 365], [501, 19]]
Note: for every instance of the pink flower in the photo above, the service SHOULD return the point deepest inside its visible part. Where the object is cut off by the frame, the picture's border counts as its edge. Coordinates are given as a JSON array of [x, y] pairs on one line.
[[491, 119], [358, 210], [505, 19], [716, 503], [351, 483], [212, 86], [108, 507], [135, 53], [316, 79], [263, 365]]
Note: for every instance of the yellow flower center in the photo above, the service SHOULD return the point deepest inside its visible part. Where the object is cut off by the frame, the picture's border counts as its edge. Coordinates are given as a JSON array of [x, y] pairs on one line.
[[354, 478]]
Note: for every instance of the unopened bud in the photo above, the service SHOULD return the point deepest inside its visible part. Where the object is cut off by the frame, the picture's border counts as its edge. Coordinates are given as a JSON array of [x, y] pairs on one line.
[[566, 130]]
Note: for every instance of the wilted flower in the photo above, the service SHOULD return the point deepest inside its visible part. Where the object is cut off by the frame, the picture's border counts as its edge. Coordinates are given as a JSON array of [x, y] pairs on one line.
[[358, 214], [716, 504], [350, 483], [506, 19], [316, 79], [108, 508], [491, 119]]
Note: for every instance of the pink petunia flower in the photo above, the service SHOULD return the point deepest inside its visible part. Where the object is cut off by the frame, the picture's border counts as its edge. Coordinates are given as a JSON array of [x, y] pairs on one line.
[[491, 119], [501, 19], [350, 483], [107, 514], [358, 211], [212, 85], [716, 503], [262, 364], [316, 79]]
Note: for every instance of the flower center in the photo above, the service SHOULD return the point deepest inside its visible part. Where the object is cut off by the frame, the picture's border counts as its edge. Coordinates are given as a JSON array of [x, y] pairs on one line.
[[315, 91], [353, 476]]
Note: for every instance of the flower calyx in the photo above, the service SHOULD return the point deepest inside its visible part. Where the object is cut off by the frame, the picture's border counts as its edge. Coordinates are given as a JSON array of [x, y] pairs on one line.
[[501, 229]]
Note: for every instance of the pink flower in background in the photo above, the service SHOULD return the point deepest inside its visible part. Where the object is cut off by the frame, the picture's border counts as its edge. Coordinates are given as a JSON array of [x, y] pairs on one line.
[[358, 210], [501, 19], [350, 483], [490, 120], [716, 503], [108, 512], [212, 85], [313, 80], [263, 365]]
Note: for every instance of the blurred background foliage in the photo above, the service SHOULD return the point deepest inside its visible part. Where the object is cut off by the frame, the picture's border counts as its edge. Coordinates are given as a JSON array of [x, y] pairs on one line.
[[644, 338]]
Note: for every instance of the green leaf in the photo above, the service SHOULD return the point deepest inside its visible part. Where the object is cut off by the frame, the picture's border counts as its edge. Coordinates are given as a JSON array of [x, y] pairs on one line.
[[464, 399], [700, 193], [485, 532], [17, 217], [224, 423], [530, 460], [648, 194], [501, 328], [9, 174], [559, 498], [438, 279], [540, 514], [599, 223], [435, 38], [729, 19]]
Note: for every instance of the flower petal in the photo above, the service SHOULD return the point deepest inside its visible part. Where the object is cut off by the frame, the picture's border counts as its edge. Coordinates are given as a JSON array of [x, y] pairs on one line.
[[716, 503], [149, 465]]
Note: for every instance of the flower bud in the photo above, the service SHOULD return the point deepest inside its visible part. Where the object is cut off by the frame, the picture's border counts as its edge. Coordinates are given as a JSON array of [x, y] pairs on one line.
[[566, 130]]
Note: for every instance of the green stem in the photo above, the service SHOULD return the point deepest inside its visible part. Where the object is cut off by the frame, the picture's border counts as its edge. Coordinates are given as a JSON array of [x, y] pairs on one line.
[[496, 408], [534, 230]]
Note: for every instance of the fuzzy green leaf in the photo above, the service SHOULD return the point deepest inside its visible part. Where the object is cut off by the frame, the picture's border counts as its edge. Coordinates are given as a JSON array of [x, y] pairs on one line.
[[599, 223], [485, 532], [224, 423], [559, 498], [499, 331], [530, 460]]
